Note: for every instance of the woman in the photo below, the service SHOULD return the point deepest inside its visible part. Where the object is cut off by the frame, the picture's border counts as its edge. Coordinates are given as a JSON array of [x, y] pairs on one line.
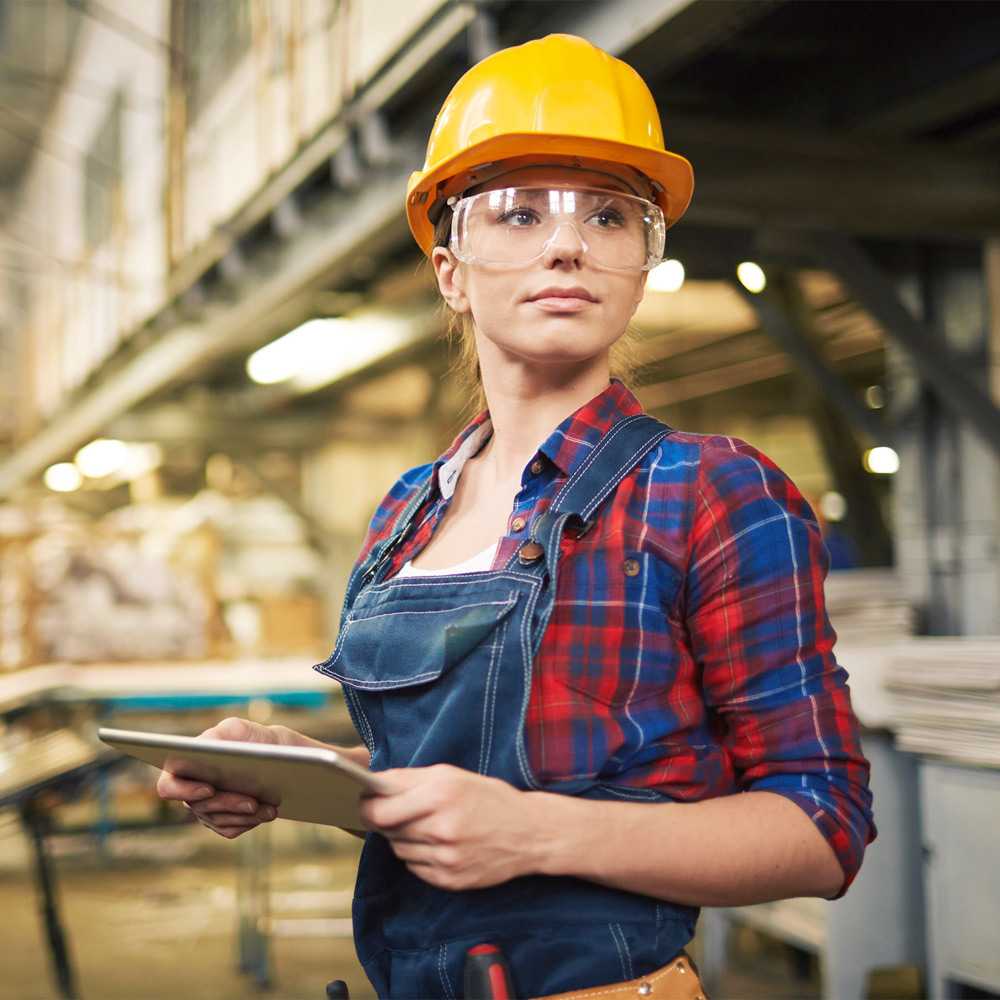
[[577, 633]]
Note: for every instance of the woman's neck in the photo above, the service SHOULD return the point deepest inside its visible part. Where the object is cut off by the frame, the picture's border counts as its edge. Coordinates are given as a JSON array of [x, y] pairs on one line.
[[526, 406]]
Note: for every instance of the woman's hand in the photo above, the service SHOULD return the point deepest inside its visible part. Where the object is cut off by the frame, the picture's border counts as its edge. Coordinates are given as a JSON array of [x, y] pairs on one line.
[[228, 813], [459, 830], [455, 829]]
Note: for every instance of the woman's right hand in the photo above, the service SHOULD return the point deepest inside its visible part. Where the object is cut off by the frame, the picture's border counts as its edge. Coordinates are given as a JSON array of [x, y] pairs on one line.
[[228, 813]]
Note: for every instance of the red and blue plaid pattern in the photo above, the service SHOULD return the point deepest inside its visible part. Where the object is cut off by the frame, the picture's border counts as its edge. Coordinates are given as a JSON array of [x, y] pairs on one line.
[[689, 651]]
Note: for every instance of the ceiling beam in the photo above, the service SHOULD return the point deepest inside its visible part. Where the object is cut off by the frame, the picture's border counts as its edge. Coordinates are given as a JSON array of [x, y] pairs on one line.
[[293, 274], [937, 105], [178, 425], [751, 174], [931, 358], [785, 314]]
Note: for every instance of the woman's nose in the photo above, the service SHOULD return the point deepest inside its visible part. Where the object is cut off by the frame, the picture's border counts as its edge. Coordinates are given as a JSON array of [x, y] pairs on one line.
[[564, 246]]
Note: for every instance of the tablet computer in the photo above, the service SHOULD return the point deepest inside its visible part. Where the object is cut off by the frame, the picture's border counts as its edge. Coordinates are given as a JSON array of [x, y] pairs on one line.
[[312, 784]]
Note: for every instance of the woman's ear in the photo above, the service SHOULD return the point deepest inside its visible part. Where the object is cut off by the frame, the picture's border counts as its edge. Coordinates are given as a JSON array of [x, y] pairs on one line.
[[449, 278]]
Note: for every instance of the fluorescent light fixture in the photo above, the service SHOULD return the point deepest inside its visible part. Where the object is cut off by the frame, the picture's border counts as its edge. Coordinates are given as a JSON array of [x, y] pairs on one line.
[[667, 276], [751, 276], [882, 460], [63, 477], [321, 351], [100, 458]]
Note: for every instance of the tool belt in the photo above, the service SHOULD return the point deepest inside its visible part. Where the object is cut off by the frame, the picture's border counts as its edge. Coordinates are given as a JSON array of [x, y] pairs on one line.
[[676, 981]]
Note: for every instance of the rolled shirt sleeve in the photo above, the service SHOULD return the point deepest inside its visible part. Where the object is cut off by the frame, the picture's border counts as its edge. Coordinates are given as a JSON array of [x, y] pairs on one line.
[[759, 629]]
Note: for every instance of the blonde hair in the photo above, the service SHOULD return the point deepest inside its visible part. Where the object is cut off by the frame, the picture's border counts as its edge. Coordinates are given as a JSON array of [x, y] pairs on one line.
[[625, 355]]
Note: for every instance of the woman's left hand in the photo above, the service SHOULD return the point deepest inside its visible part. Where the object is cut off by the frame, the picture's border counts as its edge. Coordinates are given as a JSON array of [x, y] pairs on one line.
[[453, 828]]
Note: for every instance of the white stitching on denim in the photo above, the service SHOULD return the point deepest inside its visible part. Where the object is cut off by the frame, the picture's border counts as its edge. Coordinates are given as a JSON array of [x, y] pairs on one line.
[[612, 480], [489, 701], [615, 430], [441, 581], [509, 603], [529, 612], [408, 681], [623, 955], [615, 478], [368, 736], [443, 971]]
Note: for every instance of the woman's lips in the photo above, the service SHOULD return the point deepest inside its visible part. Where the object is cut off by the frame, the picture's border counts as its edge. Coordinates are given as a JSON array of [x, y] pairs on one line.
[[562, 299]]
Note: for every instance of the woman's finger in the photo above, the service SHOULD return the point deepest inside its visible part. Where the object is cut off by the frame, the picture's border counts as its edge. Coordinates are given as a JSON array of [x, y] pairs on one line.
[[170, 786], [230, 802], [391, 812], [232, 821]]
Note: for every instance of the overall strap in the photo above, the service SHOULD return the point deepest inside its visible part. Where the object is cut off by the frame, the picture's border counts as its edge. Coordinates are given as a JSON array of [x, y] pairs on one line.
[[616, 454], [380, 556]]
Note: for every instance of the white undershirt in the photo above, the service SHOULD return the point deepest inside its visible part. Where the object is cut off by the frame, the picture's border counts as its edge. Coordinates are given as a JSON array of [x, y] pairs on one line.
[[447, 480], [477, 564]]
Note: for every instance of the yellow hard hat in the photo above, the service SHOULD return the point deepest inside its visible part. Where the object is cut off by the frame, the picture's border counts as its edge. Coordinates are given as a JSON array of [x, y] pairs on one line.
[[557, 99]]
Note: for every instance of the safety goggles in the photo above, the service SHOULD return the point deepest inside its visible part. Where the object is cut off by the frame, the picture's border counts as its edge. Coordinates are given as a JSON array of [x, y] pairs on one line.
[[518, 225]]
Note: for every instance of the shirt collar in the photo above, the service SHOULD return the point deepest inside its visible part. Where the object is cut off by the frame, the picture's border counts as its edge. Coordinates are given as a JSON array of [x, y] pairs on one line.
[[467, 444], [577, 436], [566, 447]]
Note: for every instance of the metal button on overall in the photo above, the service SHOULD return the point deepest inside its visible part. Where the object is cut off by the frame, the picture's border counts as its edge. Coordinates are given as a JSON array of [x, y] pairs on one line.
[[530, 553]]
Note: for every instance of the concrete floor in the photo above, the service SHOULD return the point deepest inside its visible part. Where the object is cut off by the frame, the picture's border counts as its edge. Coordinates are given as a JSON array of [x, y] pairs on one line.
[[156, 915]]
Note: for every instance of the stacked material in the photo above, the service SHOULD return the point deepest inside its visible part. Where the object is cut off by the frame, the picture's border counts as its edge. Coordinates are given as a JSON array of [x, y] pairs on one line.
[[868, 604], [872, 615], [946, 697]]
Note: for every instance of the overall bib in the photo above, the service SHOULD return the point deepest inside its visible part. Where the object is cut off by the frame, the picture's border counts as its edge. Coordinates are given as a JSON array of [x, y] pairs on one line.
[[437, 669]]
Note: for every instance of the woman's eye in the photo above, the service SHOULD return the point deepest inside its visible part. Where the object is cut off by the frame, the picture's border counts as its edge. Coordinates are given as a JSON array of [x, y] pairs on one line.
[[519, 217], [607, 218]]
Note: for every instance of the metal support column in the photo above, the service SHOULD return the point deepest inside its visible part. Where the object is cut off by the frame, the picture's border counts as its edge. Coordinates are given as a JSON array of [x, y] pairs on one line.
[[837, 413], [946, 508]]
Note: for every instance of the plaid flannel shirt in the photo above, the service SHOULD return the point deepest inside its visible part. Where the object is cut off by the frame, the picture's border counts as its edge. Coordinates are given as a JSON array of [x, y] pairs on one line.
[[689, 650]]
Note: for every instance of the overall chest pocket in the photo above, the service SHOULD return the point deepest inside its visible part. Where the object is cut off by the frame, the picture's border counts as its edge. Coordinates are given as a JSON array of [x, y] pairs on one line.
[[402, 636]]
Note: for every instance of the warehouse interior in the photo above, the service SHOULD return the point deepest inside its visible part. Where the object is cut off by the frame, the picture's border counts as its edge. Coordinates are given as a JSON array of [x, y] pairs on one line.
[[220, 346]]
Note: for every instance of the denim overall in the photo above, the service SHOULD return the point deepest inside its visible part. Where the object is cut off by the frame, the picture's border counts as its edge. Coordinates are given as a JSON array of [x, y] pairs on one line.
[[438, 670]]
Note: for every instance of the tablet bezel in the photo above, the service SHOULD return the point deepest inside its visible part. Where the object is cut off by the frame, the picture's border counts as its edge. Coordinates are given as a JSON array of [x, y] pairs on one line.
[[310, 784]]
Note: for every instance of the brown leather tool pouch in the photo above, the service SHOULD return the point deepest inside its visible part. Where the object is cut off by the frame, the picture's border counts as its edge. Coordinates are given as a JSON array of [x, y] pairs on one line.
[[676, 981]]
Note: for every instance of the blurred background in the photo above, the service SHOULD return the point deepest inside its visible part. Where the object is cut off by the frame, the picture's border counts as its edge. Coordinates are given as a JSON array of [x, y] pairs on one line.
[[219, 346]]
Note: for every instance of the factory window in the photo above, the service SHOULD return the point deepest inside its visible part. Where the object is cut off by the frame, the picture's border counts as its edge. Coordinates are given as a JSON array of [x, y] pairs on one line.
[[215, 36], [103, 169]]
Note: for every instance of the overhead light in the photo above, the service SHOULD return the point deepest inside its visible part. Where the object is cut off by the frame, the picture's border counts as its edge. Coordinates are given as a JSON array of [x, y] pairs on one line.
[[116, 461], [875, 397], [667, 276], [321, 351], [751, 276], [141, 458], [63, 477], [882, 460], [101, 457], [833, 506]]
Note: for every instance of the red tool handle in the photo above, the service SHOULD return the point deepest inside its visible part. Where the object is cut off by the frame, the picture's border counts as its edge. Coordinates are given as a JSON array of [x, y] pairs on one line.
[[486, 975]]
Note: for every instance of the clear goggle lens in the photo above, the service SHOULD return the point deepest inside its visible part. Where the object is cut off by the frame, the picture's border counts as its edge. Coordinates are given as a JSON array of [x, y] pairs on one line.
[[517, 225]]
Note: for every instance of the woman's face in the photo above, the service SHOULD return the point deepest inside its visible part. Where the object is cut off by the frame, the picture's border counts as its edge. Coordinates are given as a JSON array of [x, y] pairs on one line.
[[562, 308]]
